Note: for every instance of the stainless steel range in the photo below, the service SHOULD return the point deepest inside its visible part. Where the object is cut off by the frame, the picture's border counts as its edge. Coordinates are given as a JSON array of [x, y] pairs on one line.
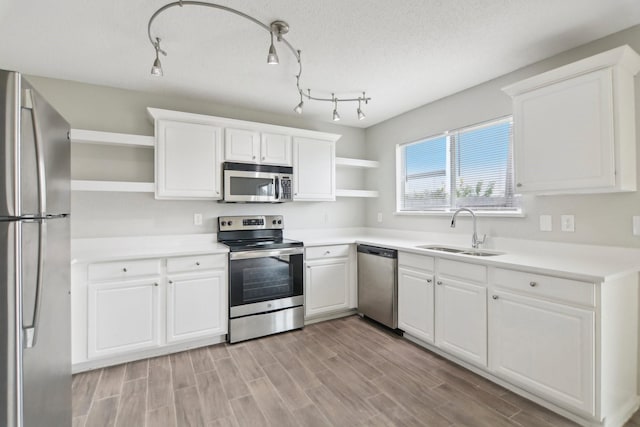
[[266, 276]]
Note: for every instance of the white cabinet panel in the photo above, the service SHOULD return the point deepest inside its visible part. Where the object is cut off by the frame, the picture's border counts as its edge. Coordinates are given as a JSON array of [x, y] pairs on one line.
[[313, 170], [275, 149], [196, 306], [326, 286], [241, 145], [546, 348], [416, 304], [461, 319], [188, 159], [122, 317], [574, 126]]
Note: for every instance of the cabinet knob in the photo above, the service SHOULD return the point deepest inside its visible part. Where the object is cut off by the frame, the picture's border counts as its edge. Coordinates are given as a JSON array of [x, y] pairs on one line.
[[254, 157], [429, 280], [170, 282], [327, 252], [263, 157], [533, 284], [197, 262], [155, 284], [495, 297], [124, 269], [519, 184], [439, 282]]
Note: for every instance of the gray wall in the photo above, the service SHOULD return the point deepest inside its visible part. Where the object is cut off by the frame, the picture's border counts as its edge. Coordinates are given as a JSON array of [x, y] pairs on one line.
[[599, 219], [99, 214]]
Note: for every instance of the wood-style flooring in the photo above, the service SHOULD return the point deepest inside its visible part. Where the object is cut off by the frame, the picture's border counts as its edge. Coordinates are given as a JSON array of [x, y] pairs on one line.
[[345, 372]]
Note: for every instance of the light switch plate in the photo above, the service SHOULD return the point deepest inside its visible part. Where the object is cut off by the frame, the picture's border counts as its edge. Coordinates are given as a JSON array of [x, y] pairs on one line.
[[636, 225], [546, 223], [567, 223], [379, 216], [197, 219]]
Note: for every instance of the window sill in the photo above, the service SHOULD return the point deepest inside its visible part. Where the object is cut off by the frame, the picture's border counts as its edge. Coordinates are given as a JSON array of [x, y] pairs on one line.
[[497, 214]]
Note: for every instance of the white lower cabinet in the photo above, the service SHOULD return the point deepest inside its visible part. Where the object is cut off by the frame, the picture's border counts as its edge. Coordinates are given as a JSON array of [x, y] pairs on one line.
[[461, 319], [329, 280], [194, 306], [138, 308], [461, 310], [122, 316], [416, 296], [544, 347]]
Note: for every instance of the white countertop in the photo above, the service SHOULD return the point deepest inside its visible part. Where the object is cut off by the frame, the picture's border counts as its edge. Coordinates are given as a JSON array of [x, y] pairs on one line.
[[585, 262]]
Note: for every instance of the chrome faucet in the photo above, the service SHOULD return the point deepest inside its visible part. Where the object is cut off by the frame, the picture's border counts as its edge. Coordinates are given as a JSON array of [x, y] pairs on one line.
[[475, 242]]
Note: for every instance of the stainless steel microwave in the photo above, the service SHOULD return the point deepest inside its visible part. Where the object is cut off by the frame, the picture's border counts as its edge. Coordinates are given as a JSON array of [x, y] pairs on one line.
[[247, 182]]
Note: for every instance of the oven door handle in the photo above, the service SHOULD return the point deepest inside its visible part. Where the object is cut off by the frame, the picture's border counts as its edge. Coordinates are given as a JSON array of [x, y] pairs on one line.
[[265, 253]]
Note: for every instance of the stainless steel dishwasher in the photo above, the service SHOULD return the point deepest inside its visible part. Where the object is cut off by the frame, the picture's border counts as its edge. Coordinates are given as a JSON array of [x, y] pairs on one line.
[[378, 284]]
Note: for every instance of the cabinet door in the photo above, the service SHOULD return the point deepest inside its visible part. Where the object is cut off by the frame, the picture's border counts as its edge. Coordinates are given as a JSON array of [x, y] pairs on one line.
[[188, 161], [564, 137], [544, 347], [416, 303], [326, 286], [314, 169], [461, 320], [196, 306], [275, 149], [241, 145], [122, 317]]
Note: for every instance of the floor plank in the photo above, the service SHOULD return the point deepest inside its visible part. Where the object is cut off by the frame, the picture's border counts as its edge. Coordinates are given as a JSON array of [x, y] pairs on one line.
[[82, 389], [110, 382], [103, 412]]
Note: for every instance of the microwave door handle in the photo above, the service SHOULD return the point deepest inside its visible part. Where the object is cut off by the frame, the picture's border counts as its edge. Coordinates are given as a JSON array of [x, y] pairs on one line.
[[277, 181]]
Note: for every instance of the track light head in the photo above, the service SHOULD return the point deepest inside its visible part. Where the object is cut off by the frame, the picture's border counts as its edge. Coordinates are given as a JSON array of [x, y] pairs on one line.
[[298, 108], [361, 115], [272, 57], [156, 68]]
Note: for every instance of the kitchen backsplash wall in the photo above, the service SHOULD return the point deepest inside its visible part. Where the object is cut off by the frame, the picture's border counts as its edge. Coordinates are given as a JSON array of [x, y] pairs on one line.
[[604, 219], [101, 214]]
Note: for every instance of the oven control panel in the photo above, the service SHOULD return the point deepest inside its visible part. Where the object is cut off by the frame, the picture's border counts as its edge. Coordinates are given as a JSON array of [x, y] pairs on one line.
[[253, 222]]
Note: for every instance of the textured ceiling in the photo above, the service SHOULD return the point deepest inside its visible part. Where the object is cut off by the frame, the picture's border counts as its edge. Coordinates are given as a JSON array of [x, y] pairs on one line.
[[404, 53]]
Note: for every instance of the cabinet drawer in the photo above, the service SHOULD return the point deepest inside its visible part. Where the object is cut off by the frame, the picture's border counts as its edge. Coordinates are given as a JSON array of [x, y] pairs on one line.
[[334, 251], [421, 262], [462, 270], [195, 263], [124, 269], [572, 291]]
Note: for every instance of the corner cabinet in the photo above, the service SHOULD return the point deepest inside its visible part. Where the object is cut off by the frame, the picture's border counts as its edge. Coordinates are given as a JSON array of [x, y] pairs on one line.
[[314, 169], [574, 126], [188, 157]]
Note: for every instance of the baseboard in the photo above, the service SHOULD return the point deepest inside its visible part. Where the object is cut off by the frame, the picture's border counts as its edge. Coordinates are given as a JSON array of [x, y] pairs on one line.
[[624, 414], [329, 316]]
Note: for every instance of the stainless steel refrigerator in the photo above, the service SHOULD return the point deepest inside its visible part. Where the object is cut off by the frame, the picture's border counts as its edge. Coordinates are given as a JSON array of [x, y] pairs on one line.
[[35, 358]]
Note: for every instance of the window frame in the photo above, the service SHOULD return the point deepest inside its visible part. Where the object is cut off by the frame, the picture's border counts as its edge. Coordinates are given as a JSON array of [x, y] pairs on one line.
[[517, 211]]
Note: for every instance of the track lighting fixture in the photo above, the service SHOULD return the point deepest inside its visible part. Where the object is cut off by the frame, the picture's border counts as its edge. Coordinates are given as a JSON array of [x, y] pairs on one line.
[[276, 28], [336, 116], [156, 69]]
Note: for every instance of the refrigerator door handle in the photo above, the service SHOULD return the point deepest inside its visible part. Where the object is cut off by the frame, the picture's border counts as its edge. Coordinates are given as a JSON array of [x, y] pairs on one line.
[[30, 104], [31, 330]]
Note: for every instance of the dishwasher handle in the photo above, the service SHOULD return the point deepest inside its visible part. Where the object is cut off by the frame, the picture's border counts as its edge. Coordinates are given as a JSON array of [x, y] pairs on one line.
[[374, 250]]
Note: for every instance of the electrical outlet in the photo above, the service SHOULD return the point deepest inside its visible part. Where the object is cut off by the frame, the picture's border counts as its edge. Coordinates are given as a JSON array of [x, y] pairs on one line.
[[567, 223], [197, 219], [379, 216], [326, 217], [546, 223]]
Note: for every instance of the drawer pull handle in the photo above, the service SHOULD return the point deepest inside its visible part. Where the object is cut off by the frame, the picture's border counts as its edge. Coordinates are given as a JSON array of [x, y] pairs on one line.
[[124, 269], [439, 282], [533, 284], [197, 262], [495, 297]]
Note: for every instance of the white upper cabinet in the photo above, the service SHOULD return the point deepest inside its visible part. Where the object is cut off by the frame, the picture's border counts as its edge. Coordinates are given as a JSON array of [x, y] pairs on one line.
[[314, 169], [250, 146], [574, 126], [241, 145], [188, 161], [275, 149]]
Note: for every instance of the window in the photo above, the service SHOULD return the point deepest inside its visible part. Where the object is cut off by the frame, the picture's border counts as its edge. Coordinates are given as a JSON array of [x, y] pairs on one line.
[[469, 167]]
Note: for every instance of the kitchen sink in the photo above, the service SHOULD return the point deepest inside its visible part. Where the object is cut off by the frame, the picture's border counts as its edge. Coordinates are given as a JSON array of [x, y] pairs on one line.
[[462, 251]]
